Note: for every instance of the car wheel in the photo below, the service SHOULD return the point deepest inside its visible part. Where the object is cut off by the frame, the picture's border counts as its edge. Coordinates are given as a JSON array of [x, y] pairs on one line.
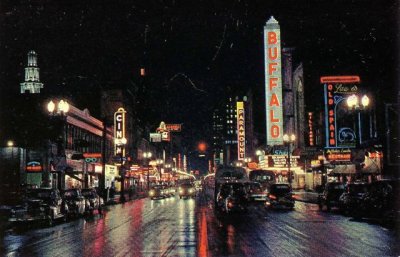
[[50, 221], [328, 207]]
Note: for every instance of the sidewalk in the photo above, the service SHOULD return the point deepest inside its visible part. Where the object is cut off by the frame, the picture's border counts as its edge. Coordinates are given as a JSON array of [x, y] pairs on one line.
[[306, 196]]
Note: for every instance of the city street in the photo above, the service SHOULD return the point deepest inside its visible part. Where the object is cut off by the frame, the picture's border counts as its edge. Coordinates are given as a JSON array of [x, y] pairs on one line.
[[190, 227]]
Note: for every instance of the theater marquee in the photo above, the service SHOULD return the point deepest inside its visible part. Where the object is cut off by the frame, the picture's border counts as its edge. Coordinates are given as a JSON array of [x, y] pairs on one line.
[[273, 82]]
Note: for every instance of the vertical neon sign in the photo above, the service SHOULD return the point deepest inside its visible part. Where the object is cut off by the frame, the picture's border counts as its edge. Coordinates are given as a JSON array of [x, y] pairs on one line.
[[241, 131], [119, 131], [273, 82]]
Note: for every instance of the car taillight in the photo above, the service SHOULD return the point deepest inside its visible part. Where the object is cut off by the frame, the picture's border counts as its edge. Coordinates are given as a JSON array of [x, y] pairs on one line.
[[273, 197]]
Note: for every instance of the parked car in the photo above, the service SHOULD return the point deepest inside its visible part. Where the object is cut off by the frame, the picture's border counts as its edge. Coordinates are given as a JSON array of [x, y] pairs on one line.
[[187, 190], [330, 195], [351, 199], [256, 192], [280, 195], [40, 204], [381, 202], [157, 192], [93, 200], [232, 197], [75, 201]]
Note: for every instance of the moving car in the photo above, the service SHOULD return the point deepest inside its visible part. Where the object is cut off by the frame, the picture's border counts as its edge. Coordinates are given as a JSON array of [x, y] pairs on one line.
[[157, 192], [351, 199], [330, 195], [256, 192], [75, 201], [187, 190], [93, 200], [40, 204], [280, 195], [232, 197]]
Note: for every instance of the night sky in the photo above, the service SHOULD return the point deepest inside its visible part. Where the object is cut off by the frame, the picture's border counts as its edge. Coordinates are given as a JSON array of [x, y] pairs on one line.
[[195, 50]]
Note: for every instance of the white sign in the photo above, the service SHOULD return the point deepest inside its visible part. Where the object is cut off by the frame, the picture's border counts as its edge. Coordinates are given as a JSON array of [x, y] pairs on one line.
[[155, 137]]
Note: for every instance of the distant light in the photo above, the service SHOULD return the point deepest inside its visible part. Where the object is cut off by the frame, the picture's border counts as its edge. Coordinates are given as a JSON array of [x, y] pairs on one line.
[[10, 143], [142, 72], [51, 106]]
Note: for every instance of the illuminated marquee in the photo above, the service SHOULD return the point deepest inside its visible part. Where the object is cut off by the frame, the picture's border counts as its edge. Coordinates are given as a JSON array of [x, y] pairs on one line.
[[241, 131], [339, 132], [273, 82], [119, 131]]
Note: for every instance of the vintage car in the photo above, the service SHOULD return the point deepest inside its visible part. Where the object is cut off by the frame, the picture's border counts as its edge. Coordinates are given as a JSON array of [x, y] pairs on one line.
[[75, 201], [40, 204], [256, 192], [352, 197], [280, 195], [157, 192], [330, 195], [381, 202], [232, 197], [187, 190], [93, 200]]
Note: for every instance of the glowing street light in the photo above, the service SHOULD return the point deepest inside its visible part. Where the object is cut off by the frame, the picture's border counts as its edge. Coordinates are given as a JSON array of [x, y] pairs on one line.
[[288, 140]]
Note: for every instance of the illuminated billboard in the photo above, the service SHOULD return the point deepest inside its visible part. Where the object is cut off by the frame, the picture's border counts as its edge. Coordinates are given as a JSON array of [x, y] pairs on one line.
[[273, 82], [241, 130], [339, 123]]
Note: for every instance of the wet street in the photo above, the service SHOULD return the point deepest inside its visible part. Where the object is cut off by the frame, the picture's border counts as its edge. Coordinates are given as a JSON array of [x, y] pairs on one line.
[[190, 227]]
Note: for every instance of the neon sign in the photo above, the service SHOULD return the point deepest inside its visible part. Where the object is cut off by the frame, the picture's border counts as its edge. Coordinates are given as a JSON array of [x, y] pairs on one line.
[[338, 126], [273, 82], [241, 130], [119, 131]]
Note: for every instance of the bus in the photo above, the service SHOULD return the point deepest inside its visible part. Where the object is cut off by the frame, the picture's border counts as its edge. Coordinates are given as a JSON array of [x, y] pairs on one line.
[[264, 177]]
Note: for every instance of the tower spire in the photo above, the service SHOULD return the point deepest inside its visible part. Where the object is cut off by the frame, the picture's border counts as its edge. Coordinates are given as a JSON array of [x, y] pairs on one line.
[[32, 82]]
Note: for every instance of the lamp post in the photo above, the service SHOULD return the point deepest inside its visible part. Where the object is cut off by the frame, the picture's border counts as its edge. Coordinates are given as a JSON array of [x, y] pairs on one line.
[[159, 163], [353, 102], [122, 142], [147, 155], [288, 140], [58, 108]]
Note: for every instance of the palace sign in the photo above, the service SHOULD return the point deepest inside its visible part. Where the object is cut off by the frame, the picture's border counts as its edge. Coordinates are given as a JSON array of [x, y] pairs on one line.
[[273, 82], [241, 130]]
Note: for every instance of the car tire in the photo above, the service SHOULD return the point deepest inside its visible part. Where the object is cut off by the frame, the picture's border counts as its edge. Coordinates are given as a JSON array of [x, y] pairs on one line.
[[328, 207], [49, 221]]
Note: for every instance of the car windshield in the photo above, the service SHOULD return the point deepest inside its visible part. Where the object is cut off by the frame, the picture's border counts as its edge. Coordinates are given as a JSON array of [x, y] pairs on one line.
[[186, 185], [71, 194], [41, 194], [280, 189], [357, 188], [336, 187], [87, 193]]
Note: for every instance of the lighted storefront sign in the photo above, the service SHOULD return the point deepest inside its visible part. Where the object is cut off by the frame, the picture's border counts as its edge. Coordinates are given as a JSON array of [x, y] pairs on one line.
[[339, 132], [241, 130], [111, 171], [119, 131], [281, 161], [174, 127], [273, 82], [338, 155], [33, 167]]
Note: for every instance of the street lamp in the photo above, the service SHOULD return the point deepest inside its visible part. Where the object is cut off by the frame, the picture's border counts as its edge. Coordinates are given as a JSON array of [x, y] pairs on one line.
[[159, 162], [353, 102], [147, 155], [58, 108], [288, 140], [122, 142]]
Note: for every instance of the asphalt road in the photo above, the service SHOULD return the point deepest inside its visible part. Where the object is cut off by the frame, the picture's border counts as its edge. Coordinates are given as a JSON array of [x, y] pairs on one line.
[[190, 227]]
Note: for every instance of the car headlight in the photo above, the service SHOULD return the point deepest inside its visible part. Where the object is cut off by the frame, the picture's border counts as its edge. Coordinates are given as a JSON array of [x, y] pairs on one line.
[[190, 190], [151, 193]]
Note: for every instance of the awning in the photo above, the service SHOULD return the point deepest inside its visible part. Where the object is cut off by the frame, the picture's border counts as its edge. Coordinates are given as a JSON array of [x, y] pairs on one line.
[[343, 169]]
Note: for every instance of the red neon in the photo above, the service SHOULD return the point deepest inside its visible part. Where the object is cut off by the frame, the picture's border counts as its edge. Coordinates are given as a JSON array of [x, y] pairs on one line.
[[340, 79]]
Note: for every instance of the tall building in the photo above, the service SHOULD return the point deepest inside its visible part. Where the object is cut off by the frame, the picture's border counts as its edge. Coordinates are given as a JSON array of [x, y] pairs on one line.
[[225, 129], [32, 82]]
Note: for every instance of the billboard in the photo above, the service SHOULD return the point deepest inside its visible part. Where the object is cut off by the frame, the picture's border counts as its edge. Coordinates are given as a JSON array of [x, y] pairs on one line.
[[273, 82], [241, 131], [339, 122]]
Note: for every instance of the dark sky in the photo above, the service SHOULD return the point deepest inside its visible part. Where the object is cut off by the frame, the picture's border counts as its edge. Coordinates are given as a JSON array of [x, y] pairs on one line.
[[195, 49]]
